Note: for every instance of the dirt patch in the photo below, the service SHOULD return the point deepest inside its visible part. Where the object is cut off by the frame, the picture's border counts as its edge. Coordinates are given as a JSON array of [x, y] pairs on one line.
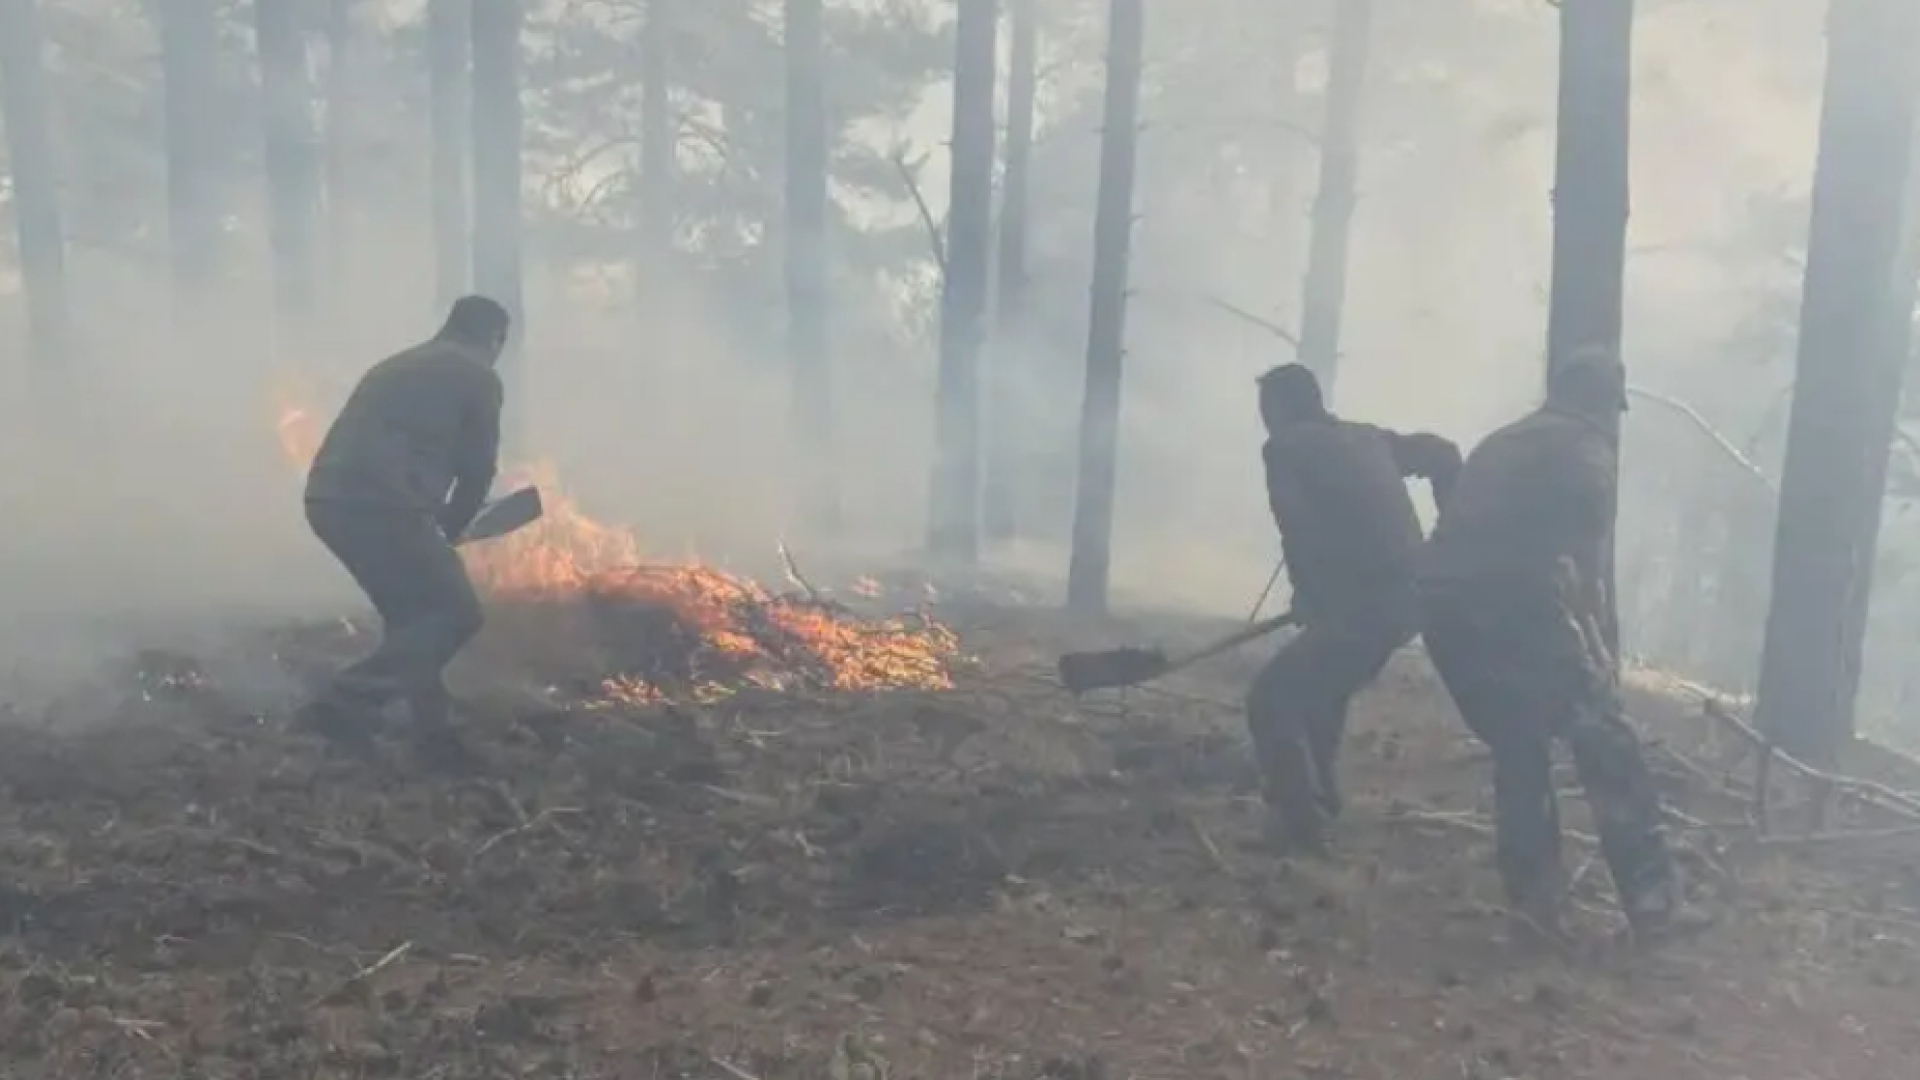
[[993, 880]]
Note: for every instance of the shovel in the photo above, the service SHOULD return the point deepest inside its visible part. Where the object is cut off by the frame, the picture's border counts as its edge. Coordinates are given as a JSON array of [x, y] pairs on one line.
[[508, 513], [1113, 668]]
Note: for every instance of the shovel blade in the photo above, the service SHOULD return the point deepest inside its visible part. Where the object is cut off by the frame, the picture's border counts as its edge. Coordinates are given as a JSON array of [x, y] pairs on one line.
[[1113, 668], [509, 513]]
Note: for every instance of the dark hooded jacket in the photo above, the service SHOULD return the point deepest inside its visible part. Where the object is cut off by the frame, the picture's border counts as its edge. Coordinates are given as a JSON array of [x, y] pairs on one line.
[[1348, 527], [1538, 490], [419, 423]]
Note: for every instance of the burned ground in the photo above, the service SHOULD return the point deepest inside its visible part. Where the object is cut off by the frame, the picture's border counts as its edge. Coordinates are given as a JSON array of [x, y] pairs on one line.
[[987, 881]]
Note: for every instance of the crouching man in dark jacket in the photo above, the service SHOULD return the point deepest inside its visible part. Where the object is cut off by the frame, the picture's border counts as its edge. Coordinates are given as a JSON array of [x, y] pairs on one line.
[[1514, 598], [401, 474], [1351, 539]]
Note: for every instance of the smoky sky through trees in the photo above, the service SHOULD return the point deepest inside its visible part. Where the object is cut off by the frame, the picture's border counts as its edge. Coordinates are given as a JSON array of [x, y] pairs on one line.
[[670, 406]]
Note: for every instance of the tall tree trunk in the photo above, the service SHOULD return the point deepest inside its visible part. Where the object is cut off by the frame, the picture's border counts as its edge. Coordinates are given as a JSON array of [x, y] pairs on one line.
[[496, 135], [1324, 292], [448, 49], [193, 222], [288, 143], [1854, 320], [1092, 560], [806, 262], [953, 533], [342, 62], [658, 138], [36, 190], [1289, 142], [1590, 197], [1010, 414]]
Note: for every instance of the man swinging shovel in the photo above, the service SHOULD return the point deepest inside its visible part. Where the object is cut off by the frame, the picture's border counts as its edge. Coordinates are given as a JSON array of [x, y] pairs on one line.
[[402, 477], [1352, 543]]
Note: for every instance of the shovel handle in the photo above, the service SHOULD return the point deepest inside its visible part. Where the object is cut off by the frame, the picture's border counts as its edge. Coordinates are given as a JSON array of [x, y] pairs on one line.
[[1250, 632]]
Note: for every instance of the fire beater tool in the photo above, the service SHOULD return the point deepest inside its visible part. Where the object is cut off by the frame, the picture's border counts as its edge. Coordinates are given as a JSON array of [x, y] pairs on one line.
[[508, 513], [1113, 668]]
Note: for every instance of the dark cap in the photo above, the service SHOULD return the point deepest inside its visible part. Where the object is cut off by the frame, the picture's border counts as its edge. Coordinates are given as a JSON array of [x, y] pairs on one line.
[[477, 320], [1294, 386]]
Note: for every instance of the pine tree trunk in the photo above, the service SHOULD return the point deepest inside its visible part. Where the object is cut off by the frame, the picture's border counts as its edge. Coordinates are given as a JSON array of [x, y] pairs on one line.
[[953, 534], [1010, 414], [1324, 292], [658, 138], [448, 39], [340, 140], [806, 263], [193, 225], [1590, 199], [288, 145], [1854, 324], [1282, 234], [496, 136], [36, 190], [1092, 560]]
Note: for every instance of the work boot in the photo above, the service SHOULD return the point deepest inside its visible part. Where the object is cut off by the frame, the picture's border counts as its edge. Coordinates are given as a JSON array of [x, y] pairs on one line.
[[436, 740], [1663, 914], [343, 724], [1536, 904], [1290, 835]]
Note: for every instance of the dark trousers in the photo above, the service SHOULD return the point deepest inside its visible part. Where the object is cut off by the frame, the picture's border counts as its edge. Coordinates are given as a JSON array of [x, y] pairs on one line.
[[1521, 677], [427, 605], [1297, 710]]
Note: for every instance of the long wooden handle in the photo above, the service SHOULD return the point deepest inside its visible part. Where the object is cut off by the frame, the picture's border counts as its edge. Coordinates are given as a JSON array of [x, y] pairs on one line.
[[1232, 641]]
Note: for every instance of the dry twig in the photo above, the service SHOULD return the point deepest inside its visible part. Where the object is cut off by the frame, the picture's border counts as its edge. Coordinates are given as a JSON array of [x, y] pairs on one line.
[[359, 978]]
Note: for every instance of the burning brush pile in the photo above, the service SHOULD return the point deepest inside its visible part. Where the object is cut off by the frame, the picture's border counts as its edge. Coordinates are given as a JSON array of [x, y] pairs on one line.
[[676, 631]]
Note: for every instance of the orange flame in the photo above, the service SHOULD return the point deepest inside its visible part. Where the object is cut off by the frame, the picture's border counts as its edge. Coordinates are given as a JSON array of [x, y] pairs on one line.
[[568, 555]]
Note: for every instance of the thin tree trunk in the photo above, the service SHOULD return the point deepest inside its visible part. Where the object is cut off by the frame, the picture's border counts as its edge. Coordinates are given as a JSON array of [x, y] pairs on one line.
[[448, 49], [1854, 323], [1092, 560], [340, 136], [1324, 292], [953, 533], [1011, 421], [1590, 200], [289, 144], [806, 262], [1289, 142], [36, 192], [193, 225], [496, 135], [657, 135]]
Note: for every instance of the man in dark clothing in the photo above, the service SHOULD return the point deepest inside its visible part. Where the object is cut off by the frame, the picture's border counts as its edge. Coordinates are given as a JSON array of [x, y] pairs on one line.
[[1351, 540], [399, 477], [1514, 595]]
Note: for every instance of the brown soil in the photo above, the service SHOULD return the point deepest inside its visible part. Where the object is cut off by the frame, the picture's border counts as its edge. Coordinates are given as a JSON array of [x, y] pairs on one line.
[[992, 881]]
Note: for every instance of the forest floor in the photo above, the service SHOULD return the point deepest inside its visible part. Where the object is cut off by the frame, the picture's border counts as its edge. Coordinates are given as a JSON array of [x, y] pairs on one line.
[[989, 881]]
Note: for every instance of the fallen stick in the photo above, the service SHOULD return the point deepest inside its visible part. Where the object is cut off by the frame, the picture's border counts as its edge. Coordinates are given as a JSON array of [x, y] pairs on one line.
[[1840, 836], [1864, 790], [360, 977]]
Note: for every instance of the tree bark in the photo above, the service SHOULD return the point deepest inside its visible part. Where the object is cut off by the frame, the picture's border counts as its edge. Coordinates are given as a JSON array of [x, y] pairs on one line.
[[1092, 559], [1854, 325], [806, 262], [1012, 390], [288, 144], [953, 533], [449, 27], [1590, 201], [340, 137], [658, 138], [1324, 291], [496, 134], [193, 223], [36, 189]]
